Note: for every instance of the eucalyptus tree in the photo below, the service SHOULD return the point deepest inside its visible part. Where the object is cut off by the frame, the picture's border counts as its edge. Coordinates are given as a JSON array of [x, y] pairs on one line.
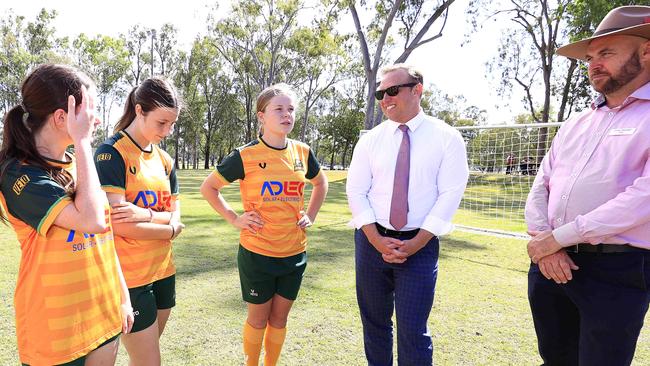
[[24, 44], [136, 44], [253, 41], [415, 18], [106, 59], [526, 56], [322, 62]]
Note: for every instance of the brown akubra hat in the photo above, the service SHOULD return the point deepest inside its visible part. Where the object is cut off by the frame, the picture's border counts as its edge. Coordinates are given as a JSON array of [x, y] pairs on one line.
[[626, 20]]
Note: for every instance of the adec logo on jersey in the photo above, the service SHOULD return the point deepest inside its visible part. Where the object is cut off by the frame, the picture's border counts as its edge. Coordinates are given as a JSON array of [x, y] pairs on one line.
[[289, 188]]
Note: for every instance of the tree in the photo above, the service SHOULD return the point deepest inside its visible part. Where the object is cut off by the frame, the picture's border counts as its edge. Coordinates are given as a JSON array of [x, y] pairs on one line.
[[22, 46], [415, 21], [526, 57], [136, 43], [252, 39], [106, 60], [322, 63], [165, 47]]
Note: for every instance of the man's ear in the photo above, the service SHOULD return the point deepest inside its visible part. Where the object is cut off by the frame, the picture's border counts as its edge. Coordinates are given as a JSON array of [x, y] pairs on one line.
[[645, 51], [419, 89]]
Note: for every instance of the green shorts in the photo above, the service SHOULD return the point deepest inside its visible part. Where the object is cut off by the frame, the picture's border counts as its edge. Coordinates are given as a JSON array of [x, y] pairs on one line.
[[148, 299], [81, 361], [261, 277]]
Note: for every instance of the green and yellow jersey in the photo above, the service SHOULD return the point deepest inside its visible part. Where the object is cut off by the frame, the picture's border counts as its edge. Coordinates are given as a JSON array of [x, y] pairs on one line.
[[146, 179], [67, 295], [272, 182]]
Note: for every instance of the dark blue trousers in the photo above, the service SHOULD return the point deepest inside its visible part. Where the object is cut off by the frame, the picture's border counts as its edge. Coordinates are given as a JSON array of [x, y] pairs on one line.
[[408, 288], [594, 319]]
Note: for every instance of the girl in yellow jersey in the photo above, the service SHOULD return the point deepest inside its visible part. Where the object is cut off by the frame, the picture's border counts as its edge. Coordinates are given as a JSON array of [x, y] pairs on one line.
[[71, 299], [272, 171], [140, 181]]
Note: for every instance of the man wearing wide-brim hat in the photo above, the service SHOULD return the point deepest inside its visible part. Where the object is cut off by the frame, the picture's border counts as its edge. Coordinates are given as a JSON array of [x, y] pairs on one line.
[[588, 211]]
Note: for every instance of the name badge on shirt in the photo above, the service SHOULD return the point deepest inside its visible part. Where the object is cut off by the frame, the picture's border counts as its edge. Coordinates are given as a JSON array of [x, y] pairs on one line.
[[622, 131]]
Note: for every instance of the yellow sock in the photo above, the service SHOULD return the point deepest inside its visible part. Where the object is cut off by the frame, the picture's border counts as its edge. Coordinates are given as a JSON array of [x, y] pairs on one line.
[[252, 344], [273, 340]]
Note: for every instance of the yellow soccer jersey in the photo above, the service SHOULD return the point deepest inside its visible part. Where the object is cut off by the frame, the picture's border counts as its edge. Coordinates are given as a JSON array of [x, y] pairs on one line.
[[67, 296], [146, 179], [272, 182]]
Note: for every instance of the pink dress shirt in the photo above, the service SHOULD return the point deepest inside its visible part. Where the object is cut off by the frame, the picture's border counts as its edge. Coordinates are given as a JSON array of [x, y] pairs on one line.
[[594, 183]]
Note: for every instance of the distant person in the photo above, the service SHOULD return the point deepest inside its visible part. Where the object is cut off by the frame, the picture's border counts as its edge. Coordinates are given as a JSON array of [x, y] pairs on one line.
[[71, 302], [272, 171], [510, 163], [589, 208], [405, 181], [140, 181], [523, 166]]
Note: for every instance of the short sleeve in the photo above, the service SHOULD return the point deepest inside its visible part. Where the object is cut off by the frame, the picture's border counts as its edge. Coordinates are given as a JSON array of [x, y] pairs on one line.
[[110, 169], [312, 166], [173, 181], [33, 197], [231, 167]]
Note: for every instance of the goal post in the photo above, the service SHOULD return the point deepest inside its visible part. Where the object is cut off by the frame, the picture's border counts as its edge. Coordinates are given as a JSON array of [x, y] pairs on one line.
[[503, 161]]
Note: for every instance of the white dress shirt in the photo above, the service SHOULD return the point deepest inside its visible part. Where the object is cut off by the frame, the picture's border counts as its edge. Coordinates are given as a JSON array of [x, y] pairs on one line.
[[437, 179]]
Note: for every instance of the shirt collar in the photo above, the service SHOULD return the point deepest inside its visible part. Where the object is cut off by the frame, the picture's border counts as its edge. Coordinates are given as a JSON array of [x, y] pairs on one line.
[[412, 124], [641, 93]]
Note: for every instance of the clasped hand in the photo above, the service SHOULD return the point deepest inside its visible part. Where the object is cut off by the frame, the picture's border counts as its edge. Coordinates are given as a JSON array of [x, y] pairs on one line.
[[394, 250], [549, 255]]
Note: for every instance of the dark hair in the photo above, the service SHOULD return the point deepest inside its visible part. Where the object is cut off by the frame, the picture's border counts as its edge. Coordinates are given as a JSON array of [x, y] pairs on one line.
[[45, 90], [155, 92]]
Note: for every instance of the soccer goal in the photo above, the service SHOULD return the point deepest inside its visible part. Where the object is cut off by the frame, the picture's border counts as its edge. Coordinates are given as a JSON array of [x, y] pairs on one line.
[[503, 161]]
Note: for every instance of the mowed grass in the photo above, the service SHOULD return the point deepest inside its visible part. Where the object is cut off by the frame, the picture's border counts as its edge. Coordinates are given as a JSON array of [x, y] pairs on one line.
[[480, 315], [495, 201]]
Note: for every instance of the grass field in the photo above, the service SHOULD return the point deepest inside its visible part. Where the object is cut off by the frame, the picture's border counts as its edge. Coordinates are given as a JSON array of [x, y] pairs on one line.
[[495, 201], [480, 315]]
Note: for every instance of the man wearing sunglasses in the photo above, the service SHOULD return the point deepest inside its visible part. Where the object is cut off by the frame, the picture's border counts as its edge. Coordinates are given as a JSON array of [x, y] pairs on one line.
[[404, 184]]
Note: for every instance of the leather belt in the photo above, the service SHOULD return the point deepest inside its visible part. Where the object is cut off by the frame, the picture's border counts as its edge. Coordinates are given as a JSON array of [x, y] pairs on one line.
[[603, 248], [394, 233]]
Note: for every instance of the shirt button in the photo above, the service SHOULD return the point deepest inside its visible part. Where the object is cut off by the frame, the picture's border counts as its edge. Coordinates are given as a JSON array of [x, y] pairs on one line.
[[564, 196], [558, 220]]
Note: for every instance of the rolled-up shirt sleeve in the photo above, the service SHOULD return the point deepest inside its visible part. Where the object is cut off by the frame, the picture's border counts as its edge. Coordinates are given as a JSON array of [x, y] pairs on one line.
[[451, 181], [358, 185]]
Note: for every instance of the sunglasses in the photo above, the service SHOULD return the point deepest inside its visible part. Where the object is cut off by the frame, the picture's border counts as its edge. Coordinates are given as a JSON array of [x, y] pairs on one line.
[[393, 90]]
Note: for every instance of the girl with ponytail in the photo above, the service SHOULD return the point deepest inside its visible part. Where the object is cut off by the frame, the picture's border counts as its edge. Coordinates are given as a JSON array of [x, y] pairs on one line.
[[71, 301], [272, 171], [139, 179]]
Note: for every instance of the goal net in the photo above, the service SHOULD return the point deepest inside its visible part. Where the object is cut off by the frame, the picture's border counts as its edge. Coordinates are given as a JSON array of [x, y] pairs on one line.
[[503, 161]]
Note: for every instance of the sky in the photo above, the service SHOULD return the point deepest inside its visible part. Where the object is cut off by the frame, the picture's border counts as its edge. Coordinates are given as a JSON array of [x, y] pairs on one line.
[[452, 67]]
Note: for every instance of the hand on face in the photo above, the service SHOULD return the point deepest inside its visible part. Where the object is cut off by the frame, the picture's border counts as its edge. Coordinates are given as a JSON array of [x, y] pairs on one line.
[[81, 120]]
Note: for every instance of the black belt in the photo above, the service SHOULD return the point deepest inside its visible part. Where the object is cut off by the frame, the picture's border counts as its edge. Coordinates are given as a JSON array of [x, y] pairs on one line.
[[603, 248], [394, 233]]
